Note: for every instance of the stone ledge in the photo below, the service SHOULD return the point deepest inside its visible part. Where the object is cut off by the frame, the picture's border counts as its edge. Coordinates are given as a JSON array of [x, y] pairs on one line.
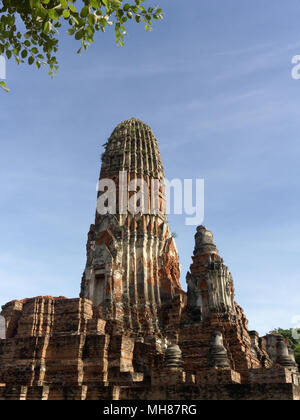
[[233, 392]]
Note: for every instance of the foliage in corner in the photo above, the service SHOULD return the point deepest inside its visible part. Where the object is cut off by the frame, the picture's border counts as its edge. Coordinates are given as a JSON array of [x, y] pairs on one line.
[[29, 28], [294, 343]]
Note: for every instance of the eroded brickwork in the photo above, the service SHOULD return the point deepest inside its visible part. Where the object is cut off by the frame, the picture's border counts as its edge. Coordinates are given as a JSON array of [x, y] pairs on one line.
[[132, 261], [134, 333]]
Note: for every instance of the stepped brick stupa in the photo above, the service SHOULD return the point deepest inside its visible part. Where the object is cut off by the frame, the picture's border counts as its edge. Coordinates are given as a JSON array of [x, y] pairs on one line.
[[134, 334]]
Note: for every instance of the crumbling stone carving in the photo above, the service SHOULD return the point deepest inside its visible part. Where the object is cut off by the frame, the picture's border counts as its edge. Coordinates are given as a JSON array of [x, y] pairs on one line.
[[210, 284], [218, 354], [173, 357], [204, 242], [195, 306], [284, 356]]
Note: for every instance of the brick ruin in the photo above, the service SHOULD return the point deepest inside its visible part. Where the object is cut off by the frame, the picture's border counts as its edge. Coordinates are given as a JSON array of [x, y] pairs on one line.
[[134, 333]]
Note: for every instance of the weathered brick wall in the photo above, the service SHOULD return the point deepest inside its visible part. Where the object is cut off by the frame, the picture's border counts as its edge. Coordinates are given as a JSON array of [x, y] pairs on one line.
[[63, 344], [279, 392]]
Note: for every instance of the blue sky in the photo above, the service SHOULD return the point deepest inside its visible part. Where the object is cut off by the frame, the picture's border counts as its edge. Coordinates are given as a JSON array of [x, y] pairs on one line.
[[213, 80]]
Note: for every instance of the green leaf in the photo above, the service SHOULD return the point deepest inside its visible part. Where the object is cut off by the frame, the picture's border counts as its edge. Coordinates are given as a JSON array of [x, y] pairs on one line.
[[84, 12], [79, 34], [53, 14], [92, 19], [34, 4], [116, 3], [106, 3], [47, 27], [72, 8], [95, 4], [103, 22], [3, 86], [71, 31], [66, 14]]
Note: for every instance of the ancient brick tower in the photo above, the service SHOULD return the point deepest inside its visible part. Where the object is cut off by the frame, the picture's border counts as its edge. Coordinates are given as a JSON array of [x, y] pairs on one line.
[[134, 333], [132, 263]]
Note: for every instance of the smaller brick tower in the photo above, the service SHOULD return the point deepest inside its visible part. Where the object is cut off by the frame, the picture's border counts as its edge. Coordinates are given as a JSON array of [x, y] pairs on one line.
[[211, 307]]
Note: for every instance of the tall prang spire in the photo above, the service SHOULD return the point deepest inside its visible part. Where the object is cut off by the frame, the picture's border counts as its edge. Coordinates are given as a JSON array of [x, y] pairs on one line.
[[132, 262], [132, 147], [210, 283]]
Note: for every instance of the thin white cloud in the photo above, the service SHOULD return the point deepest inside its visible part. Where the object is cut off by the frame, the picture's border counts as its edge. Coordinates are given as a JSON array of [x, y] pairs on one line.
[[245, 50]]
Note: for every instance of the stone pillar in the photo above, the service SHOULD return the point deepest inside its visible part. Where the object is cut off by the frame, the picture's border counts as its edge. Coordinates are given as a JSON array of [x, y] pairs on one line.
[[283, 356], [173, 358], [218, 354], [172, 372], [17, 392]]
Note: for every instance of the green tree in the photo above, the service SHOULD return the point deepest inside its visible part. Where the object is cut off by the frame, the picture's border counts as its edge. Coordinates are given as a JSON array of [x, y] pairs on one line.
[[29, 28], [297, 354], [287, 334]]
